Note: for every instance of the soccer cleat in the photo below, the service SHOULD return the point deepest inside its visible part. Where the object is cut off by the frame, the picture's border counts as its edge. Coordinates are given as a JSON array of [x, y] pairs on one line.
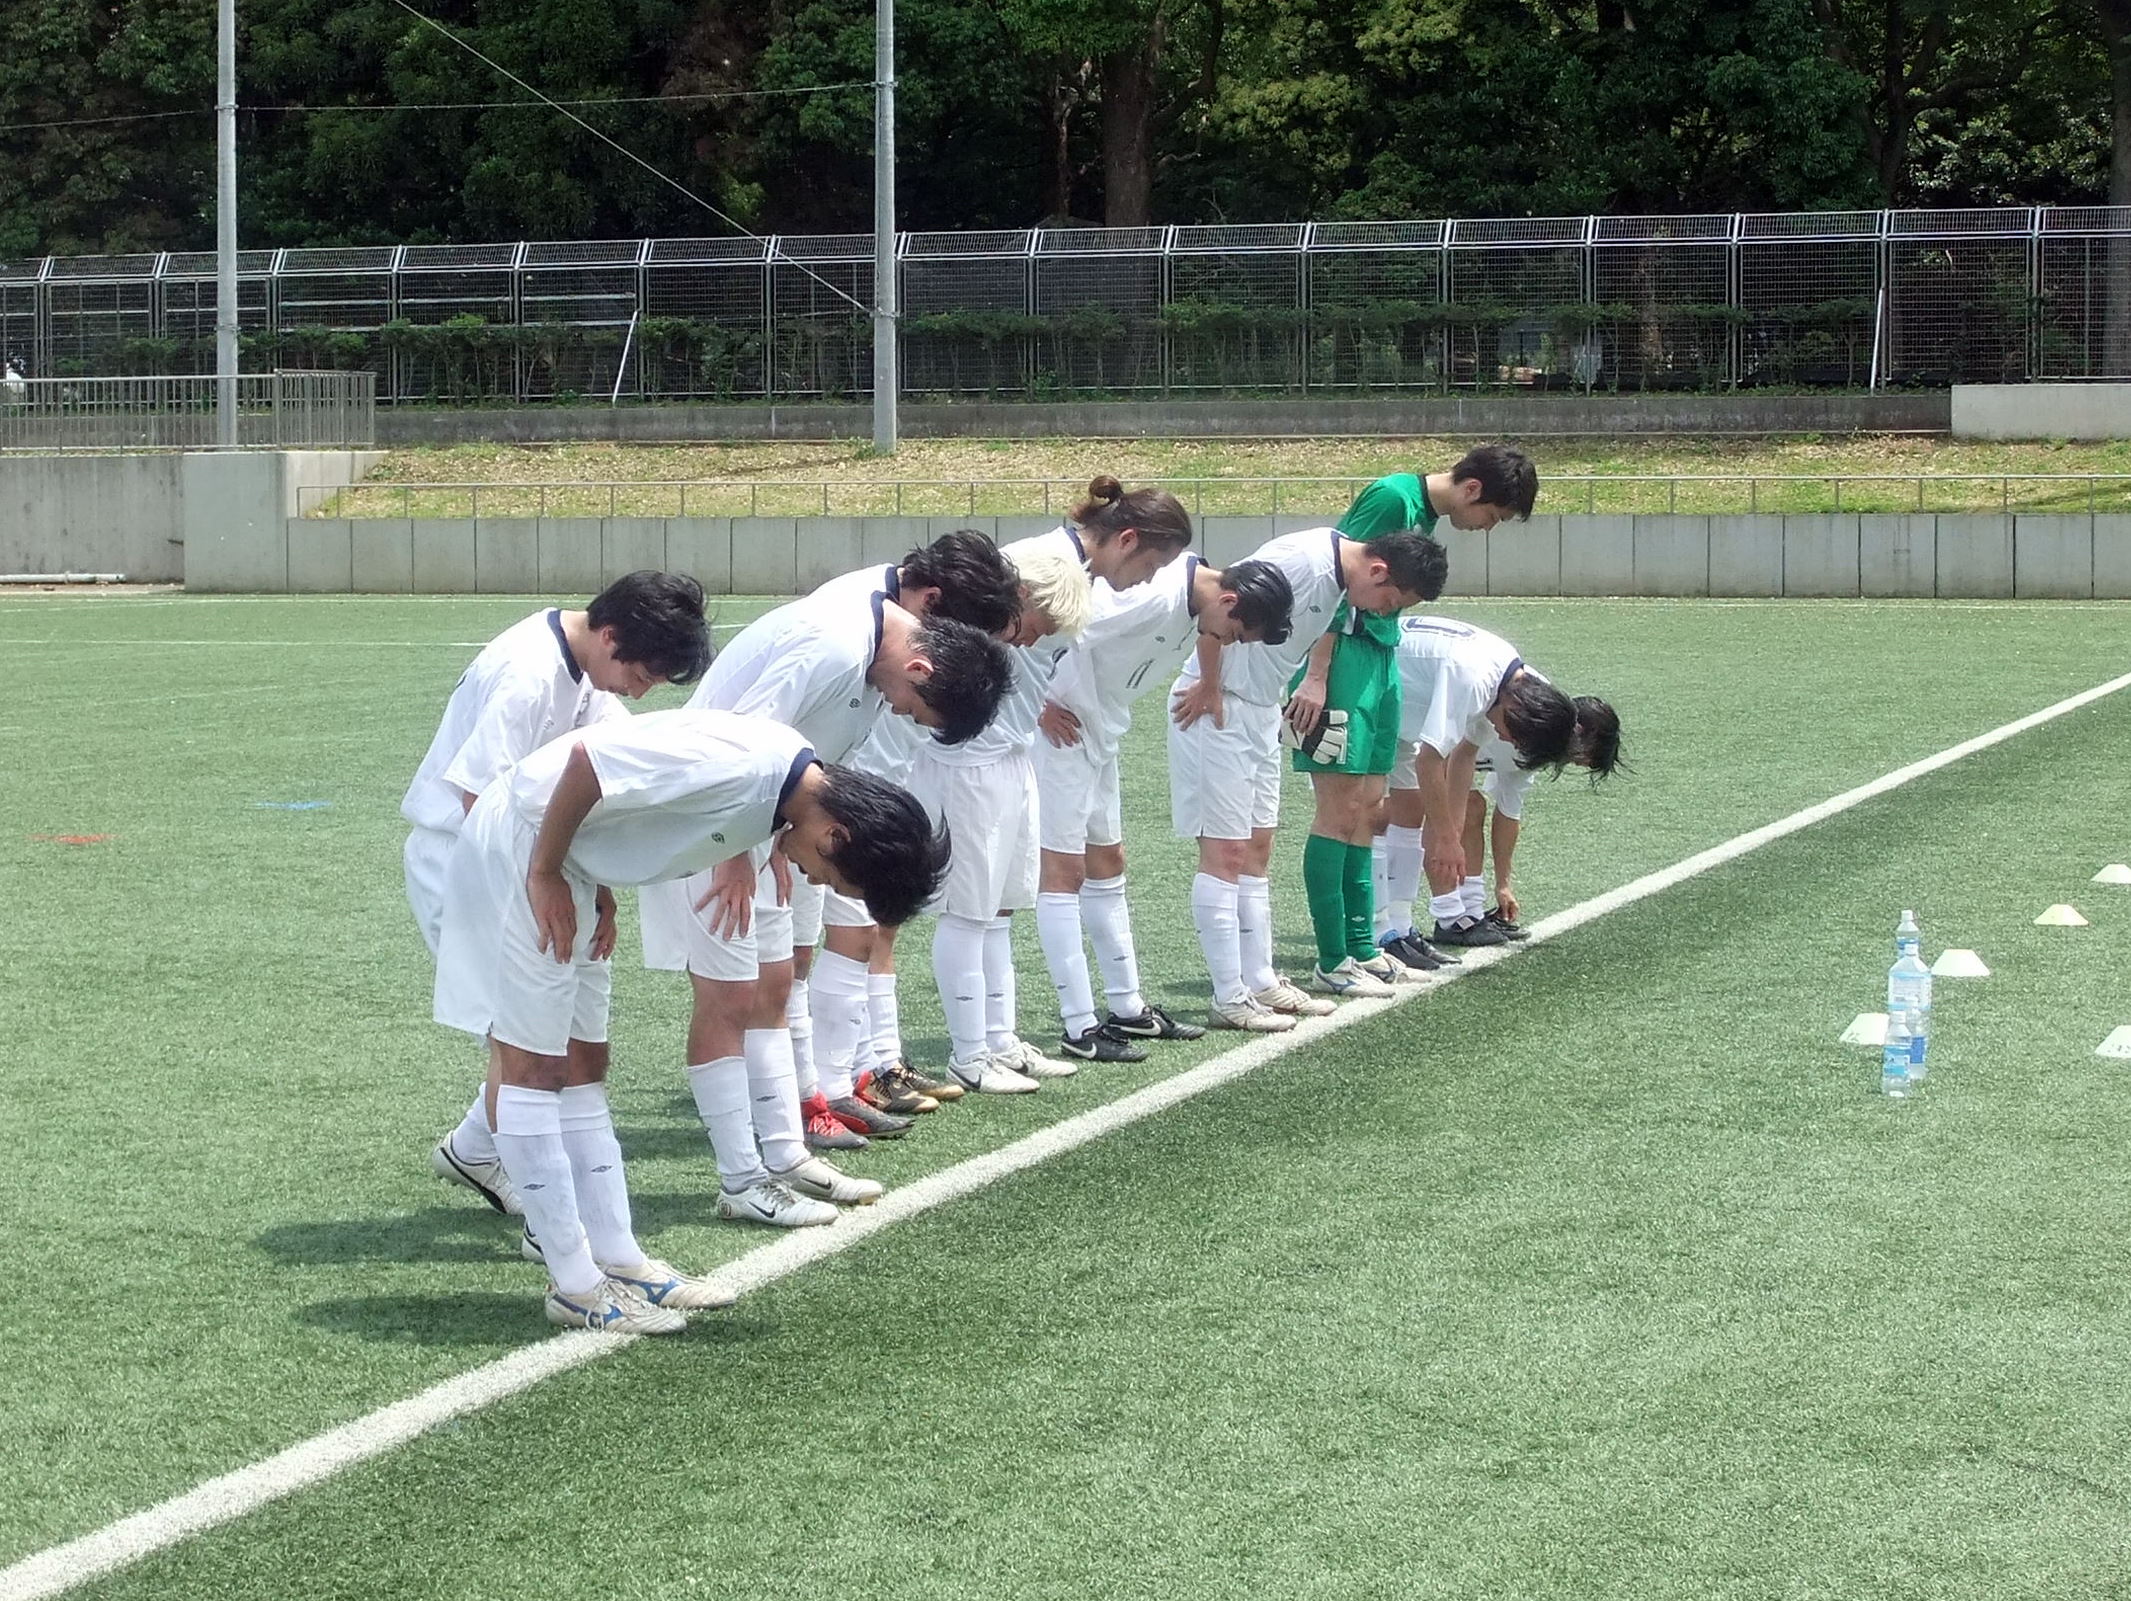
[[778, 1205], [990, 1075], [1281, 996], [1416, 954], [824, 1182], [611, 1307], [1029, 1062], [825, 1131], [1153, 1024], [1248, 1016], [870, 1121], [1349, 982], [887, 1095], [663, 1284], [1468, 931], [1516, 931], [1388, 969], [485, 1179], [528, 1247], [900, 1072], [1099, 1044]]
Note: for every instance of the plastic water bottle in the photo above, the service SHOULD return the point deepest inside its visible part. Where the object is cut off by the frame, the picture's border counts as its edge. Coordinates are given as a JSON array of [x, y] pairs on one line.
[[1909, 988], [1894, 1058]]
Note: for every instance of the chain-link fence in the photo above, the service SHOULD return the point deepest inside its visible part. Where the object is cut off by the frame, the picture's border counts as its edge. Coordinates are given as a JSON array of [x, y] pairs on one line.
[[1584, 303], [285, 410]]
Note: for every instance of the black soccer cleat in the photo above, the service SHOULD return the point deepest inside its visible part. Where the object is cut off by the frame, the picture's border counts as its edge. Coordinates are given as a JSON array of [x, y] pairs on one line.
[[1410, 950], [1153, 1024], [1469, 931], [1098, 1044], [870, 1121], [1515, 931]]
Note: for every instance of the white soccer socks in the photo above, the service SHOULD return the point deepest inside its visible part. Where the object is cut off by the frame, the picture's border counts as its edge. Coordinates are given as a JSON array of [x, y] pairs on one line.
[[1058, 927], [773, 1095], [1001, 991], [473, 1141], [1446, 908], [799, 1024], [1254, 932], [1473, 892], [587, 1126], [837, 989], [958, 968], [529, 1140], [1402, 875], [1108, 917], [885, 1018], [720, 1089], [1213, 914]]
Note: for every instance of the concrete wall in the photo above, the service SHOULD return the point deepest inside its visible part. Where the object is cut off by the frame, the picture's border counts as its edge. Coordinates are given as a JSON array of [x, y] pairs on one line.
[[92, 514], [2026, 555], [237, 519], [2041, 411], [1512, 416]]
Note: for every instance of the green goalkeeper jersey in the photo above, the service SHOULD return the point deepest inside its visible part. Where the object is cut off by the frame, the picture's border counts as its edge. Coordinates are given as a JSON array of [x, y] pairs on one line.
[[1393, 504]]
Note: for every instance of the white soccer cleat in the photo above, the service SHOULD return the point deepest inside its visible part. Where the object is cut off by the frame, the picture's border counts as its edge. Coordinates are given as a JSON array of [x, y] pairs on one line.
[[1282, 996], [992, 1075], [485, 1179], [1249, 1017], [611, 1307], [1026, 1060], [824, 1181], [1388, 969], [1349, 982], [777, 1204], [663, 1284]]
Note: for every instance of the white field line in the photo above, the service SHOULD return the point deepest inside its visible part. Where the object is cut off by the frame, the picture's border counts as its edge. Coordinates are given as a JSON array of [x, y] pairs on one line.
[[130, 1539]]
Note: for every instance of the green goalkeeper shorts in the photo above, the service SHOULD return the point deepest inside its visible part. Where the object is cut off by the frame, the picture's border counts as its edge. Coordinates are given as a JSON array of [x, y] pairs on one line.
[[1363, 683]]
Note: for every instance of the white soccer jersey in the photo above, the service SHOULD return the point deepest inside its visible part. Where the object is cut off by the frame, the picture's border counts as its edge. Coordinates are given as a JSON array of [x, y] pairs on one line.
[[524, 689], [1449, 675], [804, 665], [883, 578], [1133, 641], [1501, 779], [1012, 729], [680, 791], [1258, 672]]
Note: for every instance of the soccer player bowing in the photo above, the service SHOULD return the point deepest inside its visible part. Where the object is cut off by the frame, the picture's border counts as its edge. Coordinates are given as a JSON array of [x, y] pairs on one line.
[[522, 957]]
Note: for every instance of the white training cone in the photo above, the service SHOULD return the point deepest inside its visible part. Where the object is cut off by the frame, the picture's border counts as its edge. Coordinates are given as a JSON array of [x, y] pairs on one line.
[[1869, 1029], [1959, 964], [2061, 916], [2114, 873], [2117, 1045]]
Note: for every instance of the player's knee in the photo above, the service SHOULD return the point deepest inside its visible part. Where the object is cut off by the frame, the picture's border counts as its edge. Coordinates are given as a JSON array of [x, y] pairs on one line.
[[1224, 858]]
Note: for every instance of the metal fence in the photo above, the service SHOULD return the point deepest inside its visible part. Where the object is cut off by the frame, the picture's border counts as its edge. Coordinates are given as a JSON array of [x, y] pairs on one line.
[[1608, 303], [1591, 494], [291, 410]]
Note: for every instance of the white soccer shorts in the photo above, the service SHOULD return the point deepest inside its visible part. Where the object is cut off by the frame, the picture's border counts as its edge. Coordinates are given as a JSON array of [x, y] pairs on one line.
[[492, 977], [1405, 766], [426, 856], [839, 910], [1224, 783], [1082, 800], [990, 812], [677, 937]]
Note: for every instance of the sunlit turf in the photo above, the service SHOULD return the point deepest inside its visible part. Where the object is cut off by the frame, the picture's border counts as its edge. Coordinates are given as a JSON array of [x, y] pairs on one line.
[[1604, 1274]]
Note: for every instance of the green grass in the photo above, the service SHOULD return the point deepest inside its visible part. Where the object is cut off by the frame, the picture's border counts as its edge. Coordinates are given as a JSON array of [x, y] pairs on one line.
[[1605, 1274], [977, 477]]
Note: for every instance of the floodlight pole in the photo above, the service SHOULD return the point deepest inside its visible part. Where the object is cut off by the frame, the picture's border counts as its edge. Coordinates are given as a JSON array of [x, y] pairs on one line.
[[226, 224], [885, 378]]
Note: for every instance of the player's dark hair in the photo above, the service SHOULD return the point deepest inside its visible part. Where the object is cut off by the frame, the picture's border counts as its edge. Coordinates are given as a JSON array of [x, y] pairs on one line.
[[976, 584], [1506, 476], [891, 853], [658, 624], [1540, 721], [1157, 516], [1265, 600], [1598, 736], [1414, 563], [970, 675]]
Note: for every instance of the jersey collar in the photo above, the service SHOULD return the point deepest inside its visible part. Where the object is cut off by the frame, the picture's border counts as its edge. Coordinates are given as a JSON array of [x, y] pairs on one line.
[[800, 764], [893, 588], [569, 657], [1516, 665], [1339, 570], [1192, 565], [1079, 549]]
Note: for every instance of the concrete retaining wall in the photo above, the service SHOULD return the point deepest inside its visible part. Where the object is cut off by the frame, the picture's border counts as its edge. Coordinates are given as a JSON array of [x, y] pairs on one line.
[[2041, 411], [2025, 555], [1491, 416], [92, 514]]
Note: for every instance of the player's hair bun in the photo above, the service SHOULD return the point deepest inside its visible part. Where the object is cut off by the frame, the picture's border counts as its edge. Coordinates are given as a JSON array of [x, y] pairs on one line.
[[1107, 490]]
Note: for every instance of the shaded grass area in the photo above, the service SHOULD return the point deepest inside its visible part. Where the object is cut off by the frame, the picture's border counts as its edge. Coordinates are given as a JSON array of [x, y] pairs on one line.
[[945, 478], [229, 1081], [1606, 1274]]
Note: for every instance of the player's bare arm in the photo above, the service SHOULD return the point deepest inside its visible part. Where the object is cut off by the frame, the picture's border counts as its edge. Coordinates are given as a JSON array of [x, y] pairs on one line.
[[554, 909]]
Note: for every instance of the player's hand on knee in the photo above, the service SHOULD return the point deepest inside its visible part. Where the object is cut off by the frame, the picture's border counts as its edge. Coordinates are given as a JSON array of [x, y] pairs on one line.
[[1195, 701], [603, 931], [730, 900], [1060, 726], [554, 913], [781, 875]]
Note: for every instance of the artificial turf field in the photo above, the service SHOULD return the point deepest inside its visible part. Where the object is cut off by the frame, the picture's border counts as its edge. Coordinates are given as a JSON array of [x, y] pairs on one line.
[[1604, 1273]]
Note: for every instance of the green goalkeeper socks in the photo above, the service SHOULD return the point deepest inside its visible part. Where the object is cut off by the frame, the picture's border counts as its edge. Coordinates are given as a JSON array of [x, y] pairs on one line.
[[1324, 880]]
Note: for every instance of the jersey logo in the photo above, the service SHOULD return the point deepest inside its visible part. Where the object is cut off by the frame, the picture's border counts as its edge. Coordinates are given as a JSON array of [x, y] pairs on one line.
[[717, 839], [856, 702]]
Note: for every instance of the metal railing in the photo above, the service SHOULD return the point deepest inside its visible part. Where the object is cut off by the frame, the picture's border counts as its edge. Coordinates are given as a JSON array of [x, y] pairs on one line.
[[1590, 494], [1628, 302], [287, 410]]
